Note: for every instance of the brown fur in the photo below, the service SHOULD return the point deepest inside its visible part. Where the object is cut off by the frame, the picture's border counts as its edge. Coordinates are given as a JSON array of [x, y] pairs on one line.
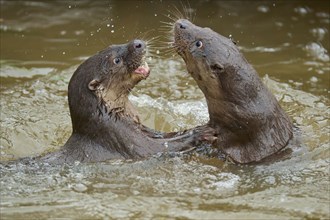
[[250, 122], [104, 122]]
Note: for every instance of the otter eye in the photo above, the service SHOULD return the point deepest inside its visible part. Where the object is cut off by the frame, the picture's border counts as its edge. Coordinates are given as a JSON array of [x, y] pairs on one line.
[[116, 60], [199, 44]]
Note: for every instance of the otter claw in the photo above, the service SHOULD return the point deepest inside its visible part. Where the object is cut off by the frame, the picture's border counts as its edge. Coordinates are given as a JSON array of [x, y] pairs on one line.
[[210, 139], [208, 134]]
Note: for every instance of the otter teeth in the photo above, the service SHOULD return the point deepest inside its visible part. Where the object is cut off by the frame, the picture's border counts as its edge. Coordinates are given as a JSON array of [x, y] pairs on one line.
[[145, 65]]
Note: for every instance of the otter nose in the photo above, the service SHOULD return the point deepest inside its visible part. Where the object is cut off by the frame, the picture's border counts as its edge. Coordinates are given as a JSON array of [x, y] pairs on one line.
[[139, 44], [182, 24]]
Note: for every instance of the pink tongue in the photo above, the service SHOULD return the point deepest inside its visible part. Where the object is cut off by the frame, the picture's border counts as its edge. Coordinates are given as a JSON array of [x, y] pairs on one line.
[[142, 70]]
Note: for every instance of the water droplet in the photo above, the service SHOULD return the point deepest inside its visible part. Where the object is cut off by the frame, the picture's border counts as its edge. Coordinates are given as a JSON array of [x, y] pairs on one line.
[[263, 9], [155, 15], [108, 25], [63, 52], [79, 32], [112, 31], [313, 79], [301, 10], [157, 52]]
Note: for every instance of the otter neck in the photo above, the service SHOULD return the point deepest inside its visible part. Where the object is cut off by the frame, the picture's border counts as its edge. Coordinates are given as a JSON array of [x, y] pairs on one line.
[[119, 103], [216, 109]]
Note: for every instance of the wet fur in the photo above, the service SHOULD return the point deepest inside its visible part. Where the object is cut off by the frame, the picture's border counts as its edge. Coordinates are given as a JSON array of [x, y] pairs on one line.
[[104, 122], [250, 122]]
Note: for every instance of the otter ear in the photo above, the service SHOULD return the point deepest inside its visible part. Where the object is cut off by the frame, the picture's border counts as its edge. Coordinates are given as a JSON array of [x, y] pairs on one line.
[[94, 85], [218, 68]]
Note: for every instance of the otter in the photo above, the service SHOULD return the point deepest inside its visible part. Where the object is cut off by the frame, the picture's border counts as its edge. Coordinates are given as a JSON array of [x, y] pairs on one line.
[[105, 124], [249, 121]]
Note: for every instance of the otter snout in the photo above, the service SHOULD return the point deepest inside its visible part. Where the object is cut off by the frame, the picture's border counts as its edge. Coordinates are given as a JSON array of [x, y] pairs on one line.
[[182, 24], [137, 46], [182, 35]]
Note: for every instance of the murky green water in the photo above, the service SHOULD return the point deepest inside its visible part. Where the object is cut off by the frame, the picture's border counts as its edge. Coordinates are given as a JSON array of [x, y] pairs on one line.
[[42, 42]]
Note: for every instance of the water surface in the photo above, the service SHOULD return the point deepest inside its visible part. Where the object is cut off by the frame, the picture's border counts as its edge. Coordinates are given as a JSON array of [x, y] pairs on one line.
[[43, 42]]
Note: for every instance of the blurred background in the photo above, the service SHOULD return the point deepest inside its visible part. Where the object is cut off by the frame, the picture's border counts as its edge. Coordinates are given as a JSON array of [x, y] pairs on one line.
[[286, 39]]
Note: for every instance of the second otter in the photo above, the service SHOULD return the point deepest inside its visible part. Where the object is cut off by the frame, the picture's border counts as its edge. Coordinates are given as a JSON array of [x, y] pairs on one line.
[[250, 122]]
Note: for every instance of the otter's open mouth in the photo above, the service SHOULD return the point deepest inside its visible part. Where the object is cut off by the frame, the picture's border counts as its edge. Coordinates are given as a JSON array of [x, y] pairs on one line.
[[143, 70]]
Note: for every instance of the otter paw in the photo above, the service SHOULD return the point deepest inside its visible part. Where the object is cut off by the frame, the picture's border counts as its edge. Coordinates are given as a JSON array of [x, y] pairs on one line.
[[207, 134]]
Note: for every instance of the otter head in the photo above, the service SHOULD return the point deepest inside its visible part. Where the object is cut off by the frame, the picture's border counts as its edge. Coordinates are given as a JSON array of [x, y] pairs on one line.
[[220, 70], [101, 84]]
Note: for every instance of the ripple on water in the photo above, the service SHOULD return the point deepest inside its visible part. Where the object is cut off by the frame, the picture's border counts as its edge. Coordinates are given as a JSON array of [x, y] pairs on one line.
[[28, 126], [16, 72], [191, 113], [317, 51], [165, 187]]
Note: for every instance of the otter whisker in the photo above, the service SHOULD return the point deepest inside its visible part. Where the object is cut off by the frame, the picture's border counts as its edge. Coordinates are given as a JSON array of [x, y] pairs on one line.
[[189, 12], [165, 28], [168, 16], [169, 24], [150, 58], [152, 53], [152, 40], [177, 13], [146, 36], [169, 50], [171, 42], [153, 45], [166, 51], [167, 31], [170, 54]]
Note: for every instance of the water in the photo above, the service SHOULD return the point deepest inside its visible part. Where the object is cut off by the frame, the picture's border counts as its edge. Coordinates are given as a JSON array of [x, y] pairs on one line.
[[42, 43]]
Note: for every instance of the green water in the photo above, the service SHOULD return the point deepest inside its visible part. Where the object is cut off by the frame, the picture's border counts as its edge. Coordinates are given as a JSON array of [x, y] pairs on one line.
[[43, 42]]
